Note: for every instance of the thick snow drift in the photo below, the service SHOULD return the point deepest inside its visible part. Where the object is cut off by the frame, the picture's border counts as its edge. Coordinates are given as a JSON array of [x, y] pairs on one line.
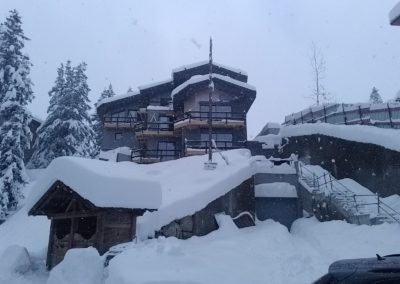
[[105, 184], [266, 253], [275, 190], [187, 187], [80, 266]]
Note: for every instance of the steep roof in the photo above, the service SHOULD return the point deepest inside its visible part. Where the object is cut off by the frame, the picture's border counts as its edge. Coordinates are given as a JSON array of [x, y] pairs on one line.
[[104, 184]]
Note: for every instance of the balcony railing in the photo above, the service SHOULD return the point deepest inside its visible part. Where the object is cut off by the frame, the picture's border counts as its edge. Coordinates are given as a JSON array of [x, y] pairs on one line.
[[157, 127], [222, 145], [144, 155], [120, 121], [216, 116]]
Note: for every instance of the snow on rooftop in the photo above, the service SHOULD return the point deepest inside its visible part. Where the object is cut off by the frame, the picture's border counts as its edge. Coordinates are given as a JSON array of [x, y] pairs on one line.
[[194, 65], [387, 138], [200, 78], [275, 190], [394, 13], [265, 166], [151, 85], [105, 184], [187, 187], [116, 98]]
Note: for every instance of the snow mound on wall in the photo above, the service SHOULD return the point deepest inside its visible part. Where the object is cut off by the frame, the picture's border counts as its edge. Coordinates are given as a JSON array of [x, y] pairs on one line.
[[275, 190], [80, 266], [105, 184], [187, 187], [387, 138], [266, 253]]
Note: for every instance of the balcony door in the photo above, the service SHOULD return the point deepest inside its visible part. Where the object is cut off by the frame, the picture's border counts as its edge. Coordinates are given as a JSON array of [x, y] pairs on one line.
[[166, 150]]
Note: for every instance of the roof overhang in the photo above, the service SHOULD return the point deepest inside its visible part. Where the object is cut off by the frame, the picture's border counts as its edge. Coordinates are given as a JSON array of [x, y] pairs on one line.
[[394, 15]]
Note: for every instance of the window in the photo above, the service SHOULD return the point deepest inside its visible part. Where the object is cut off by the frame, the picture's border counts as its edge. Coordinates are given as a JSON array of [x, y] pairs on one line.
[[86, 226], [116, 116], [219, 111], [223, 140], [164, 122], [166, 150], [118, 136], [132, 113], [62, 227]]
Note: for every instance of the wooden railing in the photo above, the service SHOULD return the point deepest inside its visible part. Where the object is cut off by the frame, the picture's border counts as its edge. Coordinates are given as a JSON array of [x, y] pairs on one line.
[[156, 154], [216, 116]]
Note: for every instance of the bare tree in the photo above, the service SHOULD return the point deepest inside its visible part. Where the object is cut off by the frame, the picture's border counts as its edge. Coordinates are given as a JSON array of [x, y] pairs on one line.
[[318, 69]]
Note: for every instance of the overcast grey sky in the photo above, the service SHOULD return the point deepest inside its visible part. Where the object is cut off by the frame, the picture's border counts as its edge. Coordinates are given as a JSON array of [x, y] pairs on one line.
[[132, 43]]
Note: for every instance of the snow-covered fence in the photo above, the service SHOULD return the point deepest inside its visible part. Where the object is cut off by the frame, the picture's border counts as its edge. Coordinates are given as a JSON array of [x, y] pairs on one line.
[[353, 201], [385, 115]]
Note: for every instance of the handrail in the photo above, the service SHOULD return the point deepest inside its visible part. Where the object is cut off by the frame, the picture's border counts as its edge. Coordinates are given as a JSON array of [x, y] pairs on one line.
[[224, 145], [154, 154], [155, 126], [346, 192], [216, 116], [132, 121]]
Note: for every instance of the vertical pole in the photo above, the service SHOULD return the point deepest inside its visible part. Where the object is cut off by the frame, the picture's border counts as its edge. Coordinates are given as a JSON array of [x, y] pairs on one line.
[[210, 106], [390, 115], [324, 114], [344, 115], [360, 113]]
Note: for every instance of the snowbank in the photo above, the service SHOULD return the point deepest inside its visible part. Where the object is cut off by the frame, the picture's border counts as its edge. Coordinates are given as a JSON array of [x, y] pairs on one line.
[[15, 259], [387, 138], [79, 266], [105, 184], [266, 253], [187, 187], [275, 189]]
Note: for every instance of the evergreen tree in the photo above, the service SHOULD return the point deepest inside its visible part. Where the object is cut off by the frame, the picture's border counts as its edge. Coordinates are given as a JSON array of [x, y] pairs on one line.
[[97, 123], [375, 97], [67, 130], [15, 93]]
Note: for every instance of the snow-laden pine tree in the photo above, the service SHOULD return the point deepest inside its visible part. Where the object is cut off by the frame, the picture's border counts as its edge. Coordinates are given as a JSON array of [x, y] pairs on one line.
[[67, 130], [15, 93], [375, 97], [96, 121]]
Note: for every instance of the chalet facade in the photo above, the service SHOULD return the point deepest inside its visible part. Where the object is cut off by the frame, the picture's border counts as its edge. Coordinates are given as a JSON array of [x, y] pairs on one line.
[[168, 120]]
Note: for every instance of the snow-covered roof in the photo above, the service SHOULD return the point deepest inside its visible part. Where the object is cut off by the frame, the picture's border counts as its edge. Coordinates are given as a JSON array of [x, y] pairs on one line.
[[116, 98], [200, 78], [394, 15], [187, 187], [194, 65], [105, 184], [151, 85], [387, 138], [275, 190], [38, 119]]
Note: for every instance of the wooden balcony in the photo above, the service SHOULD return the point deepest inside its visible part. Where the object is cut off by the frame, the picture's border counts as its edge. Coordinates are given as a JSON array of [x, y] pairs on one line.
[[219, 119], [200, 147], [144, 130], [120, 122], [142, 156]]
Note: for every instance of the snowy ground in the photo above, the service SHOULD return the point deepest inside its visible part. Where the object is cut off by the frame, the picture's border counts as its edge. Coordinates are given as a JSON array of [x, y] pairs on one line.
[[266, 253]]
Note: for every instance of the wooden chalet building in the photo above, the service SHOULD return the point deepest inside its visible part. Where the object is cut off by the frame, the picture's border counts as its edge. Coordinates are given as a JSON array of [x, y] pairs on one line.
[[90, 206], [168, 120]]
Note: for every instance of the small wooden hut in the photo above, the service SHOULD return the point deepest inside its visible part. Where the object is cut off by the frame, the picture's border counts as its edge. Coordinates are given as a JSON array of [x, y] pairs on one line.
[[80, 222]]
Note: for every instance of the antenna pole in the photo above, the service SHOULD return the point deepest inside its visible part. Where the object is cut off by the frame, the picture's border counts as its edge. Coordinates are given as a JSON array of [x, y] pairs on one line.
[[211, 88]]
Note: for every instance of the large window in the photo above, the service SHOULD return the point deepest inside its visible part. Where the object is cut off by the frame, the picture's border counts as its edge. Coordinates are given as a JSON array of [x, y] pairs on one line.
[[223, 140], [116, 116], [218, 111], [166, 150]]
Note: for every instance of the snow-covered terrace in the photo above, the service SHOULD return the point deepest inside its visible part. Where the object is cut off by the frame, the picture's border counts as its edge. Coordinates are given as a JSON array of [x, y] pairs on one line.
[[387, 138]]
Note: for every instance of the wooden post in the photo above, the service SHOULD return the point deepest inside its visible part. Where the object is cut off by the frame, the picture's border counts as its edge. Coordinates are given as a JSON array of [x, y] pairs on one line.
[[324, 114], [344, 115], [359, 112]]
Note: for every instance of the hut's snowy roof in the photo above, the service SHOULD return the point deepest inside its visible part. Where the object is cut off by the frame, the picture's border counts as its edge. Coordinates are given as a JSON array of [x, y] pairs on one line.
[[200, 78], [155, 84], [105, 184]]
